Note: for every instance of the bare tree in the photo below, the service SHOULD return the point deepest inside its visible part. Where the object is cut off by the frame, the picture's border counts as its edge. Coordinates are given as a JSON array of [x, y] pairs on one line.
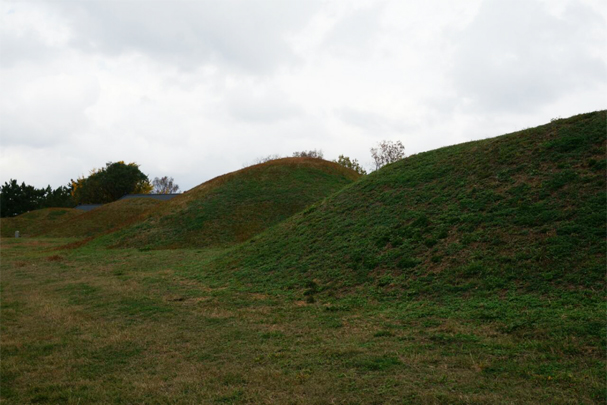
[[309, 153], [387, 152], [262, 159], [164, 185]]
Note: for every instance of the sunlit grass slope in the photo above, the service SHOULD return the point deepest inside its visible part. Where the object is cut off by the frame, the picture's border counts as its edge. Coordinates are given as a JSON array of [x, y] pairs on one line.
[[520, 211], [233, 207], [103, 219], [36, 222]]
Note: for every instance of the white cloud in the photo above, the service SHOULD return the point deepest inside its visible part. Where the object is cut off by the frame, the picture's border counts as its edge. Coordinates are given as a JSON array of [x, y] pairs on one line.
[[195, 89], [516, 56], [242, 34], [41, 109]]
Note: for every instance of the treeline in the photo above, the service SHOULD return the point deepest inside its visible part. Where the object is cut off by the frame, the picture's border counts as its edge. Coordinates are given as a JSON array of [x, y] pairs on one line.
[[384, 153], [102, 186], [18, 198]]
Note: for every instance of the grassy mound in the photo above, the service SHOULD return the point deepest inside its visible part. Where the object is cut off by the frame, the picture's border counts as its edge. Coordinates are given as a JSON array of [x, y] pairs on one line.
[[472, 274], [233, 207], [104, 218], [36, 222], [520, 211]]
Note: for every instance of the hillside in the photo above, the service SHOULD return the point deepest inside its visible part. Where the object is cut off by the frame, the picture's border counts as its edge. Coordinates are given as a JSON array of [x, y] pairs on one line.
[[234, 207], [103, 219], [36, 222], [472, 274], [520, 211]]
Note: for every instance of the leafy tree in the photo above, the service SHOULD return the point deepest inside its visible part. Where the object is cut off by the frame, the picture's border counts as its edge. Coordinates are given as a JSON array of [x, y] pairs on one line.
[[350, 164], [309, 153], [164, 185], [110, 183], [387, 152], [87, 190], [17, 199], [59, 197]]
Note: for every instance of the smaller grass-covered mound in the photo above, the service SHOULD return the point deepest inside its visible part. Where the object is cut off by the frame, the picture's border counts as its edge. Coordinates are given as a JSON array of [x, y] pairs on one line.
[[104, 218], [36, 222], [234, 207]]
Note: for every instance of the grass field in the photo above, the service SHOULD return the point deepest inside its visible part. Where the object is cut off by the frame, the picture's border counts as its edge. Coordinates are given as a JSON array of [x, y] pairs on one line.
[[37, 222], [126, 326], [473, 274]]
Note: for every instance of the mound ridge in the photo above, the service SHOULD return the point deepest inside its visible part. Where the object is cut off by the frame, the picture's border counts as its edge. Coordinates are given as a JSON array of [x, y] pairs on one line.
[[103, 219], [232, 208], [524, 210], [36, 222]]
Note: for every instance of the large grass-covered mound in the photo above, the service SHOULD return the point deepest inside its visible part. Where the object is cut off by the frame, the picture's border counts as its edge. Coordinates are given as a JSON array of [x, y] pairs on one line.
[[234, 207], [36, 222], [103, 219], [520, 211]]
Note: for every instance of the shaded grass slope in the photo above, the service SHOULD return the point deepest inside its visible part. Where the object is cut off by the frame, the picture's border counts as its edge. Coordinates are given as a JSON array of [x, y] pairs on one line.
[[234, 207], [524, 211], [37, 221], [103, 219]]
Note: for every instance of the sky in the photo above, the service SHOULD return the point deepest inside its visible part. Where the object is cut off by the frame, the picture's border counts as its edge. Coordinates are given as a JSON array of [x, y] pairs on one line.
[[193, 89]]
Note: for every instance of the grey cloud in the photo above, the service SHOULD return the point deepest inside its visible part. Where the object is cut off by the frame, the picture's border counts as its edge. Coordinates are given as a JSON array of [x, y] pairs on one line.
[[354, 33], [53, 117], [28, 46], [246, 35], [370, 121], [515, 55], [266, 107]]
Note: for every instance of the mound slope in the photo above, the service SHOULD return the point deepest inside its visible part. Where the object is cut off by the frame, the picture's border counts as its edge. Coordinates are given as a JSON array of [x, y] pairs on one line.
[[234, 207], [524, 210], [104, 218], [36, 222]]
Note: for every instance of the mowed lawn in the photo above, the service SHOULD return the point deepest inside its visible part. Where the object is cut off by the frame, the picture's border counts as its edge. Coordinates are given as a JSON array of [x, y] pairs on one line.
[[129, 326]]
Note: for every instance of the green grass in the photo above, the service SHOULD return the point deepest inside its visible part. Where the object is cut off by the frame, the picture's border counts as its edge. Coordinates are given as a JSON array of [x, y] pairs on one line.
[[234, 207], [129, 326], [36, 222], [473, 274], [522, 212]]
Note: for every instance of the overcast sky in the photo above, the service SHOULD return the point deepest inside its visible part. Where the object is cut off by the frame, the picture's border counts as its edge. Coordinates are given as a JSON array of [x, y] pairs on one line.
[[194, 89]]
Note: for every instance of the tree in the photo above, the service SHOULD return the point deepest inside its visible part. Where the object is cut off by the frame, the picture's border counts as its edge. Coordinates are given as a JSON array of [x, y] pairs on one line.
[[262, 159], [387, 152], [59, 197], [17, 199], [164, 185], [110, 183], [309, 153], [87, 190], [350, 164]]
